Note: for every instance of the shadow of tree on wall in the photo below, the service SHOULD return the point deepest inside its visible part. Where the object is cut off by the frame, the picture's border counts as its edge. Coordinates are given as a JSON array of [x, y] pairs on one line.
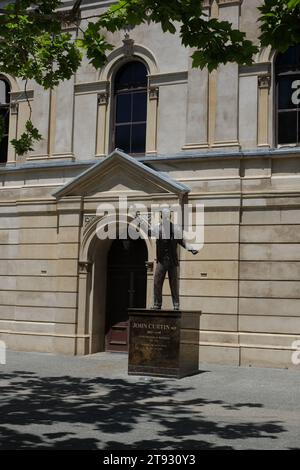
[[112, 413]]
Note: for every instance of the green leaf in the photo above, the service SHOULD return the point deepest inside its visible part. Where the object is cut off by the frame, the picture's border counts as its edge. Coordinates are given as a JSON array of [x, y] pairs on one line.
[[25, 143], [293, 3]]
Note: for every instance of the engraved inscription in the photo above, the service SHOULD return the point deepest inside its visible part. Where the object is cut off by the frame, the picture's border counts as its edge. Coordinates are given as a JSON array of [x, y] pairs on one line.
[[154, 342]]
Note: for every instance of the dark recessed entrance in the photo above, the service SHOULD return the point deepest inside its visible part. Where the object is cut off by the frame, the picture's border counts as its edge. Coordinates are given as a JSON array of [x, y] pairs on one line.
[[126, 288]]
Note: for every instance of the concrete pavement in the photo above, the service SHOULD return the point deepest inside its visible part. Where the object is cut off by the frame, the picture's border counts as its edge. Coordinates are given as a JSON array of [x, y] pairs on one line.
[[60, 402]]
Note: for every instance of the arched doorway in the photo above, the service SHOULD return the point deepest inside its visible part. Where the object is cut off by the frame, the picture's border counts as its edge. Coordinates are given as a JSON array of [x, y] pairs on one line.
[[126, 287]]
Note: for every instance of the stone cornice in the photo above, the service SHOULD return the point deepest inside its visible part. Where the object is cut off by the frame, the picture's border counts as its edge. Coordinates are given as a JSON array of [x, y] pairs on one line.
[[21, 95], [225, 3], [263, 68], [91, 87], [170, 78], [80, 166]]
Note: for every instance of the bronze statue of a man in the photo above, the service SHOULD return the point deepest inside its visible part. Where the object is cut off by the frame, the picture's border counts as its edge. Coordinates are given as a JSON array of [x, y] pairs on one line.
[[167, 260]]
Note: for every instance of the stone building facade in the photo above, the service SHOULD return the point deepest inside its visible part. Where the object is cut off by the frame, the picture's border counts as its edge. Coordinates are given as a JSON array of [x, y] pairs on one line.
[[223, 139]]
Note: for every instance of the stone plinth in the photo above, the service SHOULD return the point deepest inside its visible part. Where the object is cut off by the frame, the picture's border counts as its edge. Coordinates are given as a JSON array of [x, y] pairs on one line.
[[163, 343]]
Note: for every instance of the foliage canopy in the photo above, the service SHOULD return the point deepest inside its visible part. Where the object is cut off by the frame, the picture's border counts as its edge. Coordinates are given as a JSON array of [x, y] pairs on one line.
[[34, 43]]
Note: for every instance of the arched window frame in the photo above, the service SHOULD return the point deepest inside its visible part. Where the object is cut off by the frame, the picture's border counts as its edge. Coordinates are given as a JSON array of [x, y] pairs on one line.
[[105, 97], [16, 118], [131, 92]]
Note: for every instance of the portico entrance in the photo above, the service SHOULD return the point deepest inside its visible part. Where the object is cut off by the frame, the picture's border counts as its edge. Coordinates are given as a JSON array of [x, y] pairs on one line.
[[126, 288], [112, 275]]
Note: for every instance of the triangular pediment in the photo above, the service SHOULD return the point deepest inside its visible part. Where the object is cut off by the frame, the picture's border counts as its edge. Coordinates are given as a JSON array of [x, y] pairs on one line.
[[120, 174]]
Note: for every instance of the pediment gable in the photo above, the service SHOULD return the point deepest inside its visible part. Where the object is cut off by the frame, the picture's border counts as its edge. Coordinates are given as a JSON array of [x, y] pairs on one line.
[[120, 174]]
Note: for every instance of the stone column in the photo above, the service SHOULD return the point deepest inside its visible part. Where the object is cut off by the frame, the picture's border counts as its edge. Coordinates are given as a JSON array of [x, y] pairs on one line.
[[19, 114], [12, 132], [197, 109], [69, 223], [226, 126], [248, 109], [264, 82], [41, 116], [62, 120], [83, 304], [151, 137], [102, 124], [212, 87]]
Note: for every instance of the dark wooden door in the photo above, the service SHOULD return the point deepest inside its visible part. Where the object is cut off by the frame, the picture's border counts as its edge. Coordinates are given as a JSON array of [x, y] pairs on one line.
[[126, 287]]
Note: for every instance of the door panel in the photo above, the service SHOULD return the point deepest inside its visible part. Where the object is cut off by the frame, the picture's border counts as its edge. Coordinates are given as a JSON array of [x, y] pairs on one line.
[[126, 287]]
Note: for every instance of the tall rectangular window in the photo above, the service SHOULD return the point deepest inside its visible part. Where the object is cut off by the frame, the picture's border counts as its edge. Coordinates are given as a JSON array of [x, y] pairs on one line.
[[4, 116], [130, 119], [288, 96]]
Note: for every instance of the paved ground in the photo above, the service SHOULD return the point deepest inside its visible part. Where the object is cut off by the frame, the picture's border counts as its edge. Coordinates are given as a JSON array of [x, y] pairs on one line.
[[59, 402]]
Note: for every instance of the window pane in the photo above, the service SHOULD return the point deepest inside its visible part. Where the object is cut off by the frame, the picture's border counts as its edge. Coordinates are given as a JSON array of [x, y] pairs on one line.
[[123, 108], [287, 127], [140, 74], [2, 92], [289, 92], [3, 149], [139, 107], [4, 113], [138, 144], [289, 59], [122, 138], [131, 75]]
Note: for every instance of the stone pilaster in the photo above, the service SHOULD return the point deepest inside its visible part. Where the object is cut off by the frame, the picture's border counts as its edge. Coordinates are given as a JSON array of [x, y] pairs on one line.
[[264, 83]]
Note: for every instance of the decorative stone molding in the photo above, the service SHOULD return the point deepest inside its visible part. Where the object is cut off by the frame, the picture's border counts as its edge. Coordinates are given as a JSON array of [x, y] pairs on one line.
[[21, 95], [91, 87], [103, 98], [84, 267], [208, 3], [171, 78], [117, 56], [153, 93], [264, 81], [149, 266], [258, 69], [14, 107], [88, 220], [128, 46], [229, 2]]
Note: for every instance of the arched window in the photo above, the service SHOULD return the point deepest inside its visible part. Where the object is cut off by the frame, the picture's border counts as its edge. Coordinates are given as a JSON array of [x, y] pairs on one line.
[[287, 68], [130, 90], [4, 113]]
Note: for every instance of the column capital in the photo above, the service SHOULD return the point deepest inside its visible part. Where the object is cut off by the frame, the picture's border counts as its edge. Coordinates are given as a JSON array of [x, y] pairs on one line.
[[264, 81], [103, 98], [153, 93], [84, 267], [14, 107]]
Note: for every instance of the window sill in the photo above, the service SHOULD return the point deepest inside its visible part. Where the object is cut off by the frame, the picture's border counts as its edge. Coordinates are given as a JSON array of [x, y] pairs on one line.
[[287, 146]]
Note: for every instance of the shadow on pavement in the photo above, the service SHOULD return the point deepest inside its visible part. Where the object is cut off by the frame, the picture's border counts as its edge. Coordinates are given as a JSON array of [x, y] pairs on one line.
[[112, 413]]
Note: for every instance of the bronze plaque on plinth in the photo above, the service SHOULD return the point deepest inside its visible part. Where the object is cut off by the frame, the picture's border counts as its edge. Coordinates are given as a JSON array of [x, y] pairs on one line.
[[158, 344]]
